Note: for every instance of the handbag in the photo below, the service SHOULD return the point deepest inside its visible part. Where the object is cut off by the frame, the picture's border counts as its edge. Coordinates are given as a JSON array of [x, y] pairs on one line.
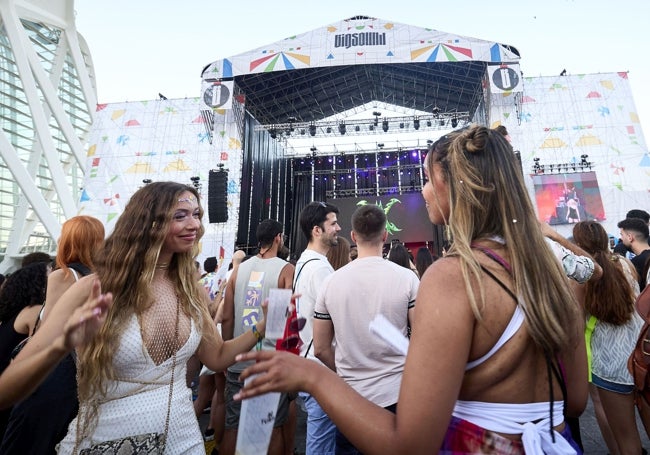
[[638, 363], [140, 444], [148, 443]]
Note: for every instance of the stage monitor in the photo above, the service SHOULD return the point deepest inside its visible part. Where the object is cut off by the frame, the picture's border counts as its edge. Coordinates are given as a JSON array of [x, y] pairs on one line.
[[407, 216], [568, 198]]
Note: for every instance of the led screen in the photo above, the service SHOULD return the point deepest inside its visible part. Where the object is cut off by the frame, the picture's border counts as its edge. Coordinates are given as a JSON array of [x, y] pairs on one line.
[[407, 216], [568, 198]]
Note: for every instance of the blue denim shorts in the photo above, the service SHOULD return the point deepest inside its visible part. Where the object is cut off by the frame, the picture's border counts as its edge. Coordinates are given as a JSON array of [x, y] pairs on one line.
[[610, 386]]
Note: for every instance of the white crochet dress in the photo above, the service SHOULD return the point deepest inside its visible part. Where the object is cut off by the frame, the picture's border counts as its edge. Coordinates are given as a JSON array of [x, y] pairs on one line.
[[139, 405]]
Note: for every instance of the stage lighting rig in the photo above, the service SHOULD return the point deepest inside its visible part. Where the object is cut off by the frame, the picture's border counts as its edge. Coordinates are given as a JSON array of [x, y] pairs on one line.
[[377, 114]]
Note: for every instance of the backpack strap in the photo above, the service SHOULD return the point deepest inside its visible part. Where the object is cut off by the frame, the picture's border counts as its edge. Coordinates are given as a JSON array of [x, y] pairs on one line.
[[589, 331]]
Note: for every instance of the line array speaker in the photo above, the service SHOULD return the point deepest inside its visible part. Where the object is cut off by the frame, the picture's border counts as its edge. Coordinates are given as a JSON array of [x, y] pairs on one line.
[[218, 196]]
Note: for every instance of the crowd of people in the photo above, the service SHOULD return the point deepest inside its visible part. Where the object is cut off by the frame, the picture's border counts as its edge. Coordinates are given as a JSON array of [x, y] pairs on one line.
[[494, 347]]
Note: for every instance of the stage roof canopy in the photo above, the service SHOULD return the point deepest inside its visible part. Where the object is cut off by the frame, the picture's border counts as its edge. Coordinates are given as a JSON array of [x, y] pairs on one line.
[[357, 61]]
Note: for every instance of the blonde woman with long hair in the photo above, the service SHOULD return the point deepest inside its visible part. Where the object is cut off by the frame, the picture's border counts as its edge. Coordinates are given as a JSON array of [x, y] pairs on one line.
[[131, 376], [497, 335]]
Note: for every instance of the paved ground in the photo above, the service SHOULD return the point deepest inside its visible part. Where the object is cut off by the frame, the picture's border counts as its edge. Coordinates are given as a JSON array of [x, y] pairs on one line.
[[591, 438]]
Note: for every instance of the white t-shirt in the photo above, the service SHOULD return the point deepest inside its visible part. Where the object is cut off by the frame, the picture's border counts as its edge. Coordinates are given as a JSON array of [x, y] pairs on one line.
[[311, 270], [352, 297]]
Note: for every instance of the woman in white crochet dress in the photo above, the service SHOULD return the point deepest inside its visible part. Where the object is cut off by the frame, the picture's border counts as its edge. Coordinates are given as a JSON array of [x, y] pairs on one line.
[[158, 310], [131, 376]]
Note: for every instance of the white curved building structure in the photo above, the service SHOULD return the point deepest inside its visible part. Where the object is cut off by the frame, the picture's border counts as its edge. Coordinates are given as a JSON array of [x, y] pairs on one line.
[[47, 103]]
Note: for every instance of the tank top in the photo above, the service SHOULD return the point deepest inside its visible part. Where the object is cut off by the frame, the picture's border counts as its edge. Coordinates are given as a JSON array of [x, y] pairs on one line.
[[255, 277]]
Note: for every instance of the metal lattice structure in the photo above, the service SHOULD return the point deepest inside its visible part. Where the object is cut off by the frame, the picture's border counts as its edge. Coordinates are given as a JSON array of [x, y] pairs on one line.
[[47, 102]]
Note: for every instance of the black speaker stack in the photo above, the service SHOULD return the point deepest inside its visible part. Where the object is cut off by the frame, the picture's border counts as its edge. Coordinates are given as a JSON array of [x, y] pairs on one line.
[[218, 196]]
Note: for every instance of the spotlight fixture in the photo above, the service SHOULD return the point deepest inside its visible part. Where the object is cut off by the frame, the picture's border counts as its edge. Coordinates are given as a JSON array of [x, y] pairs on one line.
[[312, 130], [401, 125], [435, 111], [380, 145], [384, 125], [302, 131], [329, 129], [416, 123], [441, 122], [377, 114], [429, 123], [147, 181], [342, 128], [291, 121], [454, 122], [357, 128], [273, 133]]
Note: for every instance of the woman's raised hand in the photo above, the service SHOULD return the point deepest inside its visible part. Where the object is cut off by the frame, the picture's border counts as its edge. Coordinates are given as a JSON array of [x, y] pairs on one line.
[[85, 321]]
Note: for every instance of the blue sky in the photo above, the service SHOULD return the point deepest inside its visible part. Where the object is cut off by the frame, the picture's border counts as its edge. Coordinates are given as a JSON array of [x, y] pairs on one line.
[[145, 47]]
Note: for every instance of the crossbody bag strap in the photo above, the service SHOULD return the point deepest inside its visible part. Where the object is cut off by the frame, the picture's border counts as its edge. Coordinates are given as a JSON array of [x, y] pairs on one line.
[[295, 281], [293, 289], [171, 381], [171, 385]]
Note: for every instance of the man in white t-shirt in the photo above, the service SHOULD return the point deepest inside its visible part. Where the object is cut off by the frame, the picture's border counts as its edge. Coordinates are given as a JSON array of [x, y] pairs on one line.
[[319, 223], [349, 299]]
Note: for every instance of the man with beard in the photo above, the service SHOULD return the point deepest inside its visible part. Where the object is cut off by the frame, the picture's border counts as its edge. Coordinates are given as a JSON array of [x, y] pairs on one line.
[[319, 223], [634, 235]]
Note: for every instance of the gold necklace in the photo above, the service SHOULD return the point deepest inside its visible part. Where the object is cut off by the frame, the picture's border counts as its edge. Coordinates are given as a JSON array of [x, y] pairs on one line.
[[162, 266]]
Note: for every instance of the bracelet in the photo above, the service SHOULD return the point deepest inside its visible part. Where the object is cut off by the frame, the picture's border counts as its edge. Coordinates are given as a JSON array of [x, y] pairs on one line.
[[258, 337], [256, 332]]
